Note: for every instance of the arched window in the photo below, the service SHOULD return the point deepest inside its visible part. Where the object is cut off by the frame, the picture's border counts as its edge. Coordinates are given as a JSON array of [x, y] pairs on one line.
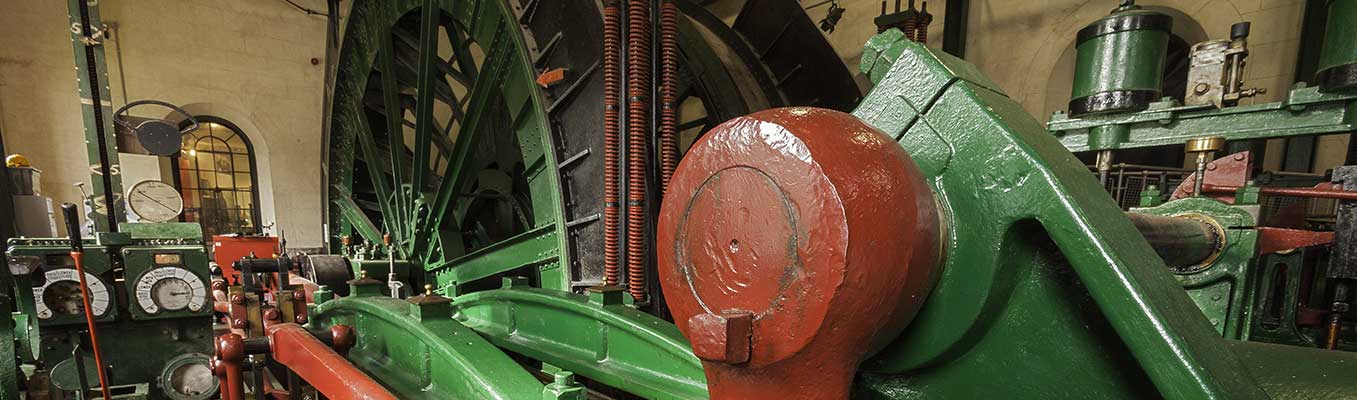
[[215, 172]]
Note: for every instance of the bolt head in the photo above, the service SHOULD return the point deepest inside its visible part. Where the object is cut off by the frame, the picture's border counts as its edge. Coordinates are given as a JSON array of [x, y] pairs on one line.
[[298, 295], [724, 338], [239, 323], [301, 319], [237, 299]]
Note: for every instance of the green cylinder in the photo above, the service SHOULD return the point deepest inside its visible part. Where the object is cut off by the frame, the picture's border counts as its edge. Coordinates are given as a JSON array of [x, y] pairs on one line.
[[1120, 64], [1338, 60]]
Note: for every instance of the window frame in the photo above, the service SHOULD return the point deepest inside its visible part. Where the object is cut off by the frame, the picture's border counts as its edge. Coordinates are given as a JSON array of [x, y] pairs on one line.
[[255, 212]]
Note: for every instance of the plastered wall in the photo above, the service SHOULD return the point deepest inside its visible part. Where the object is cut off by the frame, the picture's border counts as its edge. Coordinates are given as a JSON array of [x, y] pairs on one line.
[[248, 61]]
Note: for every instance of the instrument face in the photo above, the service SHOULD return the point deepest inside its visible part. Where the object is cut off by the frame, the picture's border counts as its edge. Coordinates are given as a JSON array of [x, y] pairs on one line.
[[170, 288], [188, 377], [60, 295], [155, 201]]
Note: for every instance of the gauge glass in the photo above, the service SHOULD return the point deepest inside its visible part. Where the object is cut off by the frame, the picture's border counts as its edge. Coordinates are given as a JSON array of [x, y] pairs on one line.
[[63, 298], [60, 295], [192, 380], [172, 294], [170, 289], [155, 201]]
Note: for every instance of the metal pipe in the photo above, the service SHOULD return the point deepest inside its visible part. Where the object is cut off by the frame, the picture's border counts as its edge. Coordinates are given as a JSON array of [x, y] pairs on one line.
[[1179, 241], [1318, 193], [312, 360], [77, 254]]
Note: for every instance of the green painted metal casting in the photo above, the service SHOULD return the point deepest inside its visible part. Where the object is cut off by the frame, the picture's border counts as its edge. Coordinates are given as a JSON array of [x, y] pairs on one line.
[[1223, 288], [1304, 112], [1045, 282], [598, 337], [435, 349]]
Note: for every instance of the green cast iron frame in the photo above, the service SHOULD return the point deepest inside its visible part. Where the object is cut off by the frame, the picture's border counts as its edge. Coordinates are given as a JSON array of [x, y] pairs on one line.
[[1045, 281], [1305, 112], [1224, 287]]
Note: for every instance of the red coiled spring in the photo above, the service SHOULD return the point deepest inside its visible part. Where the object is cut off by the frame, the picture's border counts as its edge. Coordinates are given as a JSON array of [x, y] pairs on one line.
[[612, 77], [922, 26], [668, 124], [910, 23], [638, 122]]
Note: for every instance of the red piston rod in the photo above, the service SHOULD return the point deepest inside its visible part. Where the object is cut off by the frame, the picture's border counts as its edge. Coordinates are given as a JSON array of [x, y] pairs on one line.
[[309, 357], [313, 361], [1315, 192]]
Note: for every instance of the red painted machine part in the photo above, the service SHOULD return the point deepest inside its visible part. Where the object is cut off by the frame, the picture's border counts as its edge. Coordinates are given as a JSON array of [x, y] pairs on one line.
[[793, 243], [321, 367], [1273, 240], [1231, 170], [227, 249]]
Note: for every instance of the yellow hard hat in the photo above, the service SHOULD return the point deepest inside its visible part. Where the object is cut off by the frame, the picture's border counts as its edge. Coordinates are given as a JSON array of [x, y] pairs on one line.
[[17, 160]]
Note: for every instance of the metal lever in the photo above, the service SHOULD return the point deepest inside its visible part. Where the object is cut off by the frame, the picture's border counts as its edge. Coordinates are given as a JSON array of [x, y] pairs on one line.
[[392, 284], [77, 254]]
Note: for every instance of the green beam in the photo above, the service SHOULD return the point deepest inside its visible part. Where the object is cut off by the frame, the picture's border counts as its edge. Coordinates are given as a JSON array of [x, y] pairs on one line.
[[596, 336], [96, 106], [428, 72], [1305, 112], [356, 217], [419, 352], [535, 247]]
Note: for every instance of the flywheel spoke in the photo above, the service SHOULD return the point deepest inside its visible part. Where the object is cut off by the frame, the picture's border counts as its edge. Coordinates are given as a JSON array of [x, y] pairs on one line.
[[395, 136], [482, 96]]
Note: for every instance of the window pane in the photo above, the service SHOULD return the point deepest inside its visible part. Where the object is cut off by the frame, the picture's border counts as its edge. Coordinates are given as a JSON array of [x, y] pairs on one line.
[[242, 162], [237, 145], [243, 181], [245, 199], [207, 180], [203, 144]]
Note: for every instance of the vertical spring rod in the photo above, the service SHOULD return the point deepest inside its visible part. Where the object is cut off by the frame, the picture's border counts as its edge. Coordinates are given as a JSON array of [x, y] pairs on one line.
[[668, 121], [612, 78], [638, 124]]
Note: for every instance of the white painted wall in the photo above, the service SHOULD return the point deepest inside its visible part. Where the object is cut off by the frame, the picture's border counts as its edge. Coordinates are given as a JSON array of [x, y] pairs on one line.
[[247, 61]]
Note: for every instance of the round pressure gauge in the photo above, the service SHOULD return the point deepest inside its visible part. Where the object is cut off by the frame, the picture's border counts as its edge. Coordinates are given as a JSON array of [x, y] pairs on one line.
[[60, 295], [188, 377], [155, 201], [170, 289]]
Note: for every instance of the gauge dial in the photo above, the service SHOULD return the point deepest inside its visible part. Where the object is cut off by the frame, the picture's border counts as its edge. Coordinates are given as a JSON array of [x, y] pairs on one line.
[[170, 289], [155, 201], [188, 377], [60, 295]]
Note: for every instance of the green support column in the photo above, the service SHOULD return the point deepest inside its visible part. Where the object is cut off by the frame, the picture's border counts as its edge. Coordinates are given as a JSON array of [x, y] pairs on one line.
[[87, 36]]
